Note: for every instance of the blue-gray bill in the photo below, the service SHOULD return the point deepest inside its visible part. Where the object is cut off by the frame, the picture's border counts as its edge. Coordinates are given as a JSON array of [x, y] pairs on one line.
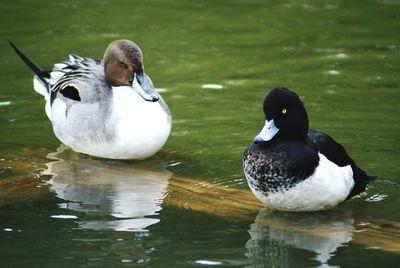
[[268, 132], [145, 90]]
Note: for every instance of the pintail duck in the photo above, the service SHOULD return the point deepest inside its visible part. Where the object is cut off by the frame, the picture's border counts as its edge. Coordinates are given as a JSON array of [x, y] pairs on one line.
[[291, 168], [106, 108]]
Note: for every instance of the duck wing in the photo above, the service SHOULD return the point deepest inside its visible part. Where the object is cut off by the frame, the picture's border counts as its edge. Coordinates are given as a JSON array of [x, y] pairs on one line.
[[337, 154], [78, 79]]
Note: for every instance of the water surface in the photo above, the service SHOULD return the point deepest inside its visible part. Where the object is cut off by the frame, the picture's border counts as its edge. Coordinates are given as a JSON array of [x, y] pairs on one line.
[[213, 61]]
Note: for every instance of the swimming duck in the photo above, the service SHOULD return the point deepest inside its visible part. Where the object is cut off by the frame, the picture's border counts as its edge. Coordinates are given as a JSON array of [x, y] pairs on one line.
[[291, 168], [106, 108]]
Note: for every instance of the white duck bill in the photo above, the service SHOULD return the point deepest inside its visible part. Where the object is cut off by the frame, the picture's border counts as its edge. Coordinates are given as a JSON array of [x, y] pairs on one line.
[[146, 92], [268, 132]]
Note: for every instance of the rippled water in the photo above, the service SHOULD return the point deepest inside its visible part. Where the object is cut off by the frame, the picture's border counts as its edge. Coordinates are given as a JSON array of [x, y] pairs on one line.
[[213, 62]]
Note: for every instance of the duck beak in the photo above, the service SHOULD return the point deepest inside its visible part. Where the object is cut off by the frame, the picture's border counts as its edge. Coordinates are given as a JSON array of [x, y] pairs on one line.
[[268, 132], [144, 88]]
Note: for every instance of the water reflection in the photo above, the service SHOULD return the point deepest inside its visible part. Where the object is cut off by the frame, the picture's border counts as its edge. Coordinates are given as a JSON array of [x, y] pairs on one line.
[[122, 196], [273, 235]]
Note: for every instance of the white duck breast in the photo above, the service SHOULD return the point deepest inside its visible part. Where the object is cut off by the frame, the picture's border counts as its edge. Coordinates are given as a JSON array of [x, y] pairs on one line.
[[146, 131]]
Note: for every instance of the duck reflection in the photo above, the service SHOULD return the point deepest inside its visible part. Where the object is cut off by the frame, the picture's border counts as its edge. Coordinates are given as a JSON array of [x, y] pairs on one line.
[[273, 234], [123, 196]]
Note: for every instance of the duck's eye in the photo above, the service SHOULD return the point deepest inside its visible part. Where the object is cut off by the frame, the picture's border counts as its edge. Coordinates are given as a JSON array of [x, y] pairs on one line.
[[284, 111], [123, 65]]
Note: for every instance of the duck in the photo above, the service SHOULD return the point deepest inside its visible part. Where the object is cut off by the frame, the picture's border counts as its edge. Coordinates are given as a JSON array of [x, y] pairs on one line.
[[104, 108], [291, 168]]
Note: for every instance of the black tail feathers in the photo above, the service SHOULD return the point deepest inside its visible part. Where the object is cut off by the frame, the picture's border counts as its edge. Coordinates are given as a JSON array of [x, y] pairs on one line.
[[39, 72]]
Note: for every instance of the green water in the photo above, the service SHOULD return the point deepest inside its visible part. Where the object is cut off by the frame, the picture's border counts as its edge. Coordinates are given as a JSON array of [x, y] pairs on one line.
[[341, 57]]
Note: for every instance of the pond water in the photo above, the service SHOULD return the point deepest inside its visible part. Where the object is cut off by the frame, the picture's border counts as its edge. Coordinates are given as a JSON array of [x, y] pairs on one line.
[[213, 62]]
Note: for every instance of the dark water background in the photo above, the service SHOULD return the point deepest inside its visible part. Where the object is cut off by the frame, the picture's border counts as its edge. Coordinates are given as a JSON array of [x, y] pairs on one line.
[[341, 57]]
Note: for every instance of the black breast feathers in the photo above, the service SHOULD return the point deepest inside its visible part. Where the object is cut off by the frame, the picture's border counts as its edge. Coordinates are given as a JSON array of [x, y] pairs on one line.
[[273, 167]]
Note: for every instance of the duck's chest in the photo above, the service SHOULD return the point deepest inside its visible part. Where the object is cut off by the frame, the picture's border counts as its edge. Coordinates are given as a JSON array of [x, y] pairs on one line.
[[139, 125], [133, 114], [276, 168]]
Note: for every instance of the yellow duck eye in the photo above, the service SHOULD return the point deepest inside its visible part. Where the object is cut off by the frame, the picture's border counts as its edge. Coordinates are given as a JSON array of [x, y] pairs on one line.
[[284, 111]]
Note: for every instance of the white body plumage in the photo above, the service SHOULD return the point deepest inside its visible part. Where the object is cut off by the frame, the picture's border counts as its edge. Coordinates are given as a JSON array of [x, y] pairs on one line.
[[328, 186]]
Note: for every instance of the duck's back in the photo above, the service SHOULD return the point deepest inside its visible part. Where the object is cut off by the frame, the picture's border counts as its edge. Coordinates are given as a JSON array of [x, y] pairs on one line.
[[85, 75]]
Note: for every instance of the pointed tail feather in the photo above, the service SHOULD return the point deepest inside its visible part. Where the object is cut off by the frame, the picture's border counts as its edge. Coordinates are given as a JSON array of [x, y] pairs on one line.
[[41, 74]]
